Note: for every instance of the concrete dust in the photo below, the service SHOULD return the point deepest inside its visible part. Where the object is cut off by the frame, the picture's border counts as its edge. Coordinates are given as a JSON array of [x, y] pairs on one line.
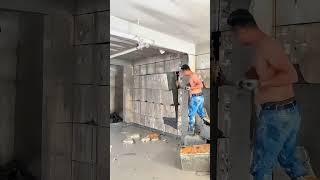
[[143, 161]]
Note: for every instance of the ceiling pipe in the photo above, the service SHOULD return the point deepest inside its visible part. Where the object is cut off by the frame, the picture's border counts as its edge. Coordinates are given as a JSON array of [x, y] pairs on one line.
[[139, 47], [142, 43]]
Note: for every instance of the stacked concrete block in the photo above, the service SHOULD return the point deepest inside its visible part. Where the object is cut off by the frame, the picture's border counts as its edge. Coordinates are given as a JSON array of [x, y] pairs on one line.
[[150, 97], [151, 68], [136, 107], [143, 82], [158, 110], [159, 67], [203, 61], [205, 76], [136, 94], [143, 108], [151, 109], [156, 93], [136, 70], [167, 97], [136, 81], [172, 65], [143, 69]]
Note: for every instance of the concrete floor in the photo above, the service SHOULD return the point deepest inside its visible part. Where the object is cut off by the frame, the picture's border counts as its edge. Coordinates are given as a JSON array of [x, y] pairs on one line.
[[146, 161]]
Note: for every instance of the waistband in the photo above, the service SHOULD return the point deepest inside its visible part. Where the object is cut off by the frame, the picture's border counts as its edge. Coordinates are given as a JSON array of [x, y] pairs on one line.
[[198, 94], [280, 105]]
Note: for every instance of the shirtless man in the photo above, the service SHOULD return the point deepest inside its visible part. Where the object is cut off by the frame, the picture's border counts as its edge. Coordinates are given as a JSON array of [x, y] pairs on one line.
[[196, 102], [279, 118]]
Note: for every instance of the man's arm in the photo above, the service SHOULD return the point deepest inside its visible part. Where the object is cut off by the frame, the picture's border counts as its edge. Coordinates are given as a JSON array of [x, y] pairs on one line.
[[197, 84], [285, 73]]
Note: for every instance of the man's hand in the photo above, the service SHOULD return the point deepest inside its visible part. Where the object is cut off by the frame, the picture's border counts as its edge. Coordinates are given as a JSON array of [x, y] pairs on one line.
[[188, 88], [248, 84]]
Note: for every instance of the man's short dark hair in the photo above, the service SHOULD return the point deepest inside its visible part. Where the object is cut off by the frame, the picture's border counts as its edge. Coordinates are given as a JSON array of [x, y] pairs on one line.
[[241, 18], [185, 67]]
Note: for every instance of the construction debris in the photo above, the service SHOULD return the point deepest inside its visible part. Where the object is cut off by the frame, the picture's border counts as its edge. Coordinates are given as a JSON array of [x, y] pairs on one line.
[[145, 139], [128, 141], [154, 136], [134, 136], [115, 118]]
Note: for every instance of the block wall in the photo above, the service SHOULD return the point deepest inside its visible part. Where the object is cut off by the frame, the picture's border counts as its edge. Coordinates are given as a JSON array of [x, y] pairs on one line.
[[153, 99]]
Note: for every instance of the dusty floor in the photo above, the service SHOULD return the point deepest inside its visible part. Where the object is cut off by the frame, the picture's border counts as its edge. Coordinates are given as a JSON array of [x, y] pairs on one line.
[[146, 161]]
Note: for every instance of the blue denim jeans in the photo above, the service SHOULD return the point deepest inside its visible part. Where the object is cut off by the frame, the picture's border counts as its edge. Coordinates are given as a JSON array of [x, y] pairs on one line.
[[196, 106], [275, 140]]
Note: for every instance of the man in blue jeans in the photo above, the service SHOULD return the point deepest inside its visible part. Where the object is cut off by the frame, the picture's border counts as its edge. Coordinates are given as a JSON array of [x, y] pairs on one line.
[[196, 101], [272, 76]]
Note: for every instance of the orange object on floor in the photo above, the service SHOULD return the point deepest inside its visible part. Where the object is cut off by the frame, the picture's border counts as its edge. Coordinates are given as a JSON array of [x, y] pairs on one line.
[[196, 149], [154, 136]]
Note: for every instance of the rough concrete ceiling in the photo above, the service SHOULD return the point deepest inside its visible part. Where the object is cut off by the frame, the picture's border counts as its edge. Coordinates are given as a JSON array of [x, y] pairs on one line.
[[187, 20]]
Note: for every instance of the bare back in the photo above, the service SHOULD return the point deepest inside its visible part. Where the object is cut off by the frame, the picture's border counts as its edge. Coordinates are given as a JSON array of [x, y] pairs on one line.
[[269, 61]]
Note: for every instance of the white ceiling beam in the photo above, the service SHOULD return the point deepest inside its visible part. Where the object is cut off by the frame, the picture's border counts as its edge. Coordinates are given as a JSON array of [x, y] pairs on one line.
[[126, 29]]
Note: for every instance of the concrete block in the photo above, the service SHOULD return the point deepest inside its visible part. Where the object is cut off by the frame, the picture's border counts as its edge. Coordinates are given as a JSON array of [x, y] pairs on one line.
[[160, 67], [205, 76], [143, 108], [136, 94], [171, 130], [137, 118], [151, 68], [136, 81], [195, 158], [158, 124], [158, 110], [150, 109], [103, 152], [150, 97], [156, 93], [143, 69], [167, 97], [168, 111], [136, 70], [85, 104], [143, 82], [203, 61], [142, 121], [128, 116], [136, 106], [172, 65], [83, 171], [85, 29], [102, 20], [84, 143], [165, 81], [143, 95]]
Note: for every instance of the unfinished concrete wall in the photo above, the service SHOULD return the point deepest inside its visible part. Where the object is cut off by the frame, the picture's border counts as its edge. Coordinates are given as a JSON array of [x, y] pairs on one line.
[[91, 85], [9, 37], [154, 95], [301, 43], [28, 107], [57, 91], [116, 89]]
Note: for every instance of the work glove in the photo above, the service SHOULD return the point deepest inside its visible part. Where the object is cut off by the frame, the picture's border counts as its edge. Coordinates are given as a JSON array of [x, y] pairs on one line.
[[188, 88], [248, 84]]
